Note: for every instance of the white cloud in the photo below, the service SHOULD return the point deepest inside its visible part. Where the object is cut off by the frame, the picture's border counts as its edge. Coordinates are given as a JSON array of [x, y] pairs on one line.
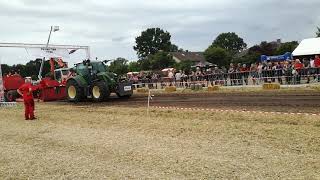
[[110, 27]]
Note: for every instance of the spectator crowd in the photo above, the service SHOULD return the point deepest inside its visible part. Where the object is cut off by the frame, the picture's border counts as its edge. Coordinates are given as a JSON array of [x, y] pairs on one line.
[[284, 72]]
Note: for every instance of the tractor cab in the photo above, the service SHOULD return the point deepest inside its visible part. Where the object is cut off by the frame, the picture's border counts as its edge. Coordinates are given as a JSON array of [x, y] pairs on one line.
[[91, 70], [62, 74]]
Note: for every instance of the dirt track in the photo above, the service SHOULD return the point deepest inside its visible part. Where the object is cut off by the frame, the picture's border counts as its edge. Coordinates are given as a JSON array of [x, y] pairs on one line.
[[265, 101]]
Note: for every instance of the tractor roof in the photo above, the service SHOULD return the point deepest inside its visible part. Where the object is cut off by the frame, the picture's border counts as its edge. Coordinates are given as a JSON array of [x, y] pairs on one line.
[[94, 61]]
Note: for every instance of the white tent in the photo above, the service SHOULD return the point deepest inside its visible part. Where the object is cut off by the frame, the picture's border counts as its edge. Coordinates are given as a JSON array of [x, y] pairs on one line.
[[308, 47]]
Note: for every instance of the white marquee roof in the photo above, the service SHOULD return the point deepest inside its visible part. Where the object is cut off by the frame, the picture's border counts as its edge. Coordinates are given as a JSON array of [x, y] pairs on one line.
[[308, 47]]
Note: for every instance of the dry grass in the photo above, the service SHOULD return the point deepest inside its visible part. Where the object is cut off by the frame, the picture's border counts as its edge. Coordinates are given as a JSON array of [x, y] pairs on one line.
[[77, 142]]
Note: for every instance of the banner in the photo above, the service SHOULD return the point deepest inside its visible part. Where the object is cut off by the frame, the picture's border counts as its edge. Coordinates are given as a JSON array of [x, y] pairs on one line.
[[1, 86], [48, 53], [284, 57]]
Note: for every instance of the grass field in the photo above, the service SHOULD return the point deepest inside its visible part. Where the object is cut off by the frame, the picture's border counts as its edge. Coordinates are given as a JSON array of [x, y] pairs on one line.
[[94, 142]]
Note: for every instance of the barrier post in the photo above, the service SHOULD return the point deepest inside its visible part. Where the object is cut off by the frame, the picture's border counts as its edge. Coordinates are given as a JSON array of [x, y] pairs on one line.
[[149, 97], [1, 86]]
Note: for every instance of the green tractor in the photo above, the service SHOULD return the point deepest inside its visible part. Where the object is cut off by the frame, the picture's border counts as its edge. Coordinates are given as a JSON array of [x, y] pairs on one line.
[[92, 80]]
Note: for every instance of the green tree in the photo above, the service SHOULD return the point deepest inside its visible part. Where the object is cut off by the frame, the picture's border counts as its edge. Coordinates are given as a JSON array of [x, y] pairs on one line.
[[145, 64], [254, 53], [119, 66], [151, 41], [161, 60], [231, 42], [184, 66], [5, 69], [30, 69], [181, 50], [217, 55], [265, 48], [174, 48], [248, 58], [134, 66], [318, 32], [287, 47]]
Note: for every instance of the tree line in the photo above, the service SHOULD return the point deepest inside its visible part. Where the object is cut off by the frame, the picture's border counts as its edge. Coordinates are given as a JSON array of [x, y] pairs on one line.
[[30, 69], [154, 45]]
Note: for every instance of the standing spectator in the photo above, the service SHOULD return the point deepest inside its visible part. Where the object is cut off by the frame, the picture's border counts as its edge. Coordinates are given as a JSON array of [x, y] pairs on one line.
[[297, 67], [271, 72], [224, 72], [317, 61], [239, 74], [279, 71], [254, 73], [298, 64], [312, 63], [170, 74], [260, 70], [154, 79], [232, 74], [218, 75], [306, 69], [192, 76], [184, 79], [178, 78], [317, 66], [265, 72], [245, 73], [287, 71], [149, 80], [171, 77], [198, 74], [312, 70], [210, 76]]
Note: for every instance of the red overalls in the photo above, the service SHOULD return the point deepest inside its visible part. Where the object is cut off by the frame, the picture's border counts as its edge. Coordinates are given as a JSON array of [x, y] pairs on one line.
[[26, 90]]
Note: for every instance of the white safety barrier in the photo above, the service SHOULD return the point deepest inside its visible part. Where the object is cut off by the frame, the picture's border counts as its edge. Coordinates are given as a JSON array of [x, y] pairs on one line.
[[233, 111], [8, 104], [297, 77]]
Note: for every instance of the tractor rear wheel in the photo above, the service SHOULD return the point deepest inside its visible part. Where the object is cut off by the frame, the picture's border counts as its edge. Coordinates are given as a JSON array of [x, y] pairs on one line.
[[74, 91], [11, 96], [100, 91]]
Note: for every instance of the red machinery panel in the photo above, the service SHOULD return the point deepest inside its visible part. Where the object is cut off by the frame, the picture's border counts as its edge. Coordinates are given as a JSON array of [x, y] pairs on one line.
[[51, 90], [12, 82]]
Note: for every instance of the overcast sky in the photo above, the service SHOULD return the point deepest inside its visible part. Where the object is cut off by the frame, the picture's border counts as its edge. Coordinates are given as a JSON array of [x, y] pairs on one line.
[[110, 27]]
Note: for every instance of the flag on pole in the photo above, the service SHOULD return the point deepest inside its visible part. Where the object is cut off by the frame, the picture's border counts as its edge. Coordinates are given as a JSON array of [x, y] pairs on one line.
[[55, 28], [73, 51]]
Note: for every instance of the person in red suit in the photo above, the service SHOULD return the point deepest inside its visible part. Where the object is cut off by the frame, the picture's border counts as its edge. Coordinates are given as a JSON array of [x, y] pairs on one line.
[[317, 61], [26, 92], [317, 66]]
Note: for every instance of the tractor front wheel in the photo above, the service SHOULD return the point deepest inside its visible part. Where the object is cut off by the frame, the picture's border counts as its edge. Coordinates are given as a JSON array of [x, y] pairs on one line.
[[74, 91], [100, 91], [11, 96]]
